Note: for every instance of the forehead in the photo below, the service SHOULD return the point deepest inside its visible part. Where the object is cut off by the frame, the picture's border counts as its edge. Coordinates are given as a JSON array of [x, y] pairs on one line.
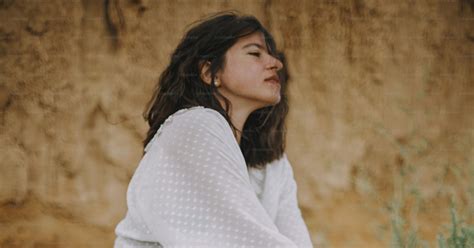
[[255, 40]]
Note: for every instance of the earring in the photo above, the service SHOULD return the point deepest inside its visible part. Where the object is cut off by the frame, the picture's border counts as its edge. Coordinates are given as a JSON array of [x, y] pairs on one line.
[[217, 83]]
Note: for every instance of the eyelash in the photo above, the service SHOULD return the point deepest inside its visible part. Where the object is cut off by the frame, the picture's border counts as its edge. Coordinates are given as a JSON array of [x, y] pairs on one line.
[[255, 54]]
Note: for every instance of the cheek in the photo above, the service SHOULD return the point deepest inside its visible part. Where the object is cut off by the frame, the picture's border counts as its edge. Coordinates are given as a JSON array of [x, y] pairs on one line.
[[242, 81], [241, 77]]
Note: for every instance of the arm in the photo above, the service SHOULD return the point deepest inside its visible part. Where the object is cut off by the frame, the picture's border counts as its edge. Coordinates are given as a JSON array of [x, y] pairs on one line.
[[289, 220], [194, 190]]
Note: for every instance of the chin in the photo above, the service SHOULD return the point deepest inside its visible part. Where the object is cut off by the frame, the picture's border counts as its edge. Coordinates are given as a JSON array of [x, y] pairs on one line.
[[272, 102]]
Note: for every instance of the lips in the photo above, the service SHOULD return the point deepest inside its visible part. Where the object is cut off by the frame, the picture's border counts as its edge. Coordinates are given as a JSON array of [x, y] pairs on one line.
[[273, 79]]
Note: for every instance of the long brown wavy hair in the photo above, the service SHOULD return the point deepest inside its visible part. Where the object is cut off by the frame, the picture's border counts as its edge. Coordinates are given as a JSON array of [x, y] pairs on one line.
[[180, 85]]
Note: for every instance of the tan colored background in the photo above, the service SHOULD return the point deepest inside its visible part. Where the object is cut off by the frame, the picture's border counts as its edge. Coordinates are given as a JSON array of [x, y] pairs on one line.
[[382, 111]]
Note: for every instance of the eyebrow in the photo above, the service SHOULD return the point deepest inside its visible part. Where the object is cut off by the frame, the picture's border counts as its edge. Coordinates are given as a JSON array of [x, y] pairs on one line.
[[254, 44]]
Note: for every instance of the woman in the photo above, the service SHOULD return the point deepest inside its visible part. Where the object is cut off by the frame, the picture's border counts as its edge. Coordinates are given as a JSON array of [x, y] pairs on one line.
[[214, 171]]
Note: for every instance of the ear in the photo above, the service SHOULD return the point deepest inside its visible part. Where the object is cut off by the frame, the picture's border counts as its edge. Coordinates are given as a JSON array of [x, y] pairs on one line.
[[205, 72]]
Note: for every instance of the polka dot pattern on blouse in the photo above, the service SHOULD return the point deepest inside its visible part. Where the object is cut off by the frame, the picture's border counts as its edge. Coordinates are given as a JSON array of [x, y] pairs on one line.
[[192, 188]]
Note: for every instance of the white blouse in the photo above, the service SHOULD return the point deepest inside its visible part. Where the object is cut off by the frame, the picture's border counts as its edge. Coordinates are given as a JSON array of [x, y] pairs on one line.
[[192, 188]]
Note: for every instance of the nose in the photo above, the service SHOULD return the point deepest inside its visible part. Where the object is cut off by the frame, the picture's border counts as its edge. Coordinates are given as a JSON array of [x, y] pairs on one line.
[[275, 63]]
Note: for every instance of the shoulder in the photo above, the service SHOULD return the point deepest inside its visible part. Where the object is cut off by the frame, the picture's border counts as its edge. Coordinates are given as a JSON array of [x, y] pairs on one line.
[[197, 120], [285, 166], [280, 166], [192, 122], [198, 115]]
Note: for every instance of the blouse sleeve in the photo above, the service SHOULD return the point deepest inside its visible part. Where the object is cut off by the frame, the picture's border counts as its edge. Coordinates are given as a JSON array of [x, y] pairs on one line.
[[289, 219], [193, 188]]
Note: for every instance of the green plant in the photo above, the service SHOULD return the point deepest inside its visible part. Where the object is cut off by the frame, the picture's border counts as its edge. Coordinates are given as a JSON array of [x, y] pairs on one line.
[[399, 238], [461, 236]]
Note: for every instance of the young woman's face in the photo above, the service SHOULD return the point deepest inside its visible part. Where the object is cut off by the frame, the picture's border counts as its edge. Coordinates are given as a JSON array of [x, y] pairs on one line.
[[248, 64]]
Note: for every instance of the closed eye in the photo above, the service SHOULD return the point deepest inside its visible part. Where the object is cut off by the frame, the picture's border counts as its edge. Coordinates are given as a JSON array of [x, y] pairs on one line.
[[255, 54]]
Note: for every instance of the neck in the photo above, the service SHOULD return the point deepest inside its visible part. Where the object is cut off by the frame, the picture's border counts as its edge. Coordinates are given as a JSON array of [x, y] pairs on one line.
[[238, 114], [238, 117]]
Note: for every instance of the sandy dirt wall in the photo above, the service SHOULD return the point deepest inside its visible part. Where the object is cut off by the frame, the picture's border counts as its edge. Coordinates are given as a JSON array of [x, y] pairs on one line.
[[380, 127]]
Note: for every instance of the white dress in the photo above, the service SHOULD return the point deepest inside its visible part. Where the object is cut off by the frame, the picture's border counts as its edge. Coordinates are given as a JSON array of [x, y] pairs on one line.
[[192, 188]]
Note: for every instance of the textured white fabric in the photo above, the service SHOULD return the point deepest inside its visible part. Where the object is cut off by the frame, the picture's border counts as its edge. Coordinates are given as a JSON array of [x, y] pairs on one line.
[[192, 188]]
